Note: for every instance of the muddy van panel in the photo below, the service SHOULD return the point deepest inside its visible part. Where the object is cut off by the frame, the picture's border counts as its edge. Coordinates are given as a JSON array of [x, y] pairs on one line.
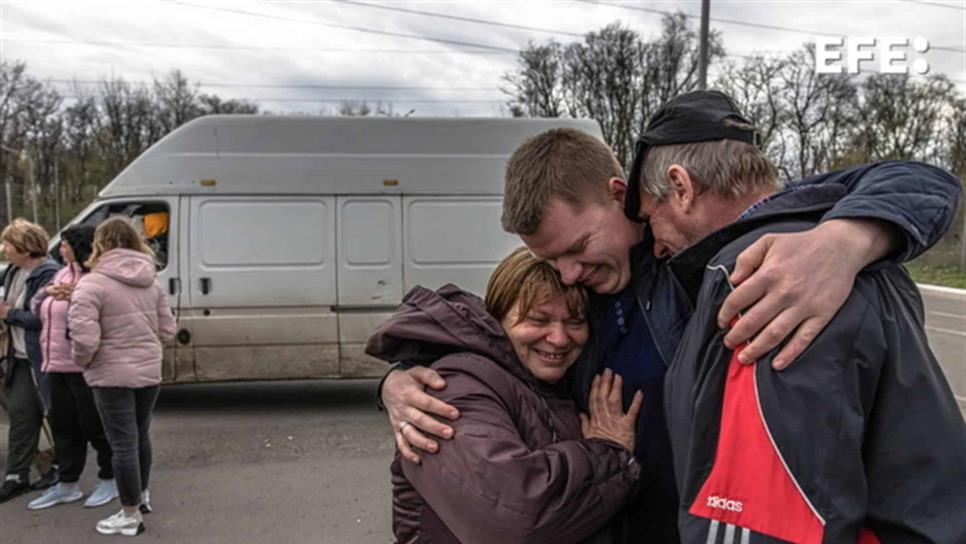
[[287, 239]]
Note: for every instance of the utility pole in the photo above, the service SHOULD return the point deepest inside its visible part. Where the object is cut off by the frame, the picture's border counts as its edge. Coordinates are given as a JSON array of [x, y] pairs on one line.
[[56, 193], [703, 58], [33, 185], [6, 179], [6, 187]]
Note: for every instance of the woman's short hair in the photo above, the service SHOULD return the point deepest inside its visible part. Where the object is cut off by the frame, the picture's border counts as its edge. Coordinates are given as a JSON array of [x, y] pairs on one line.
[[80, 239], [26, 237], [521, 278], [116, 233]]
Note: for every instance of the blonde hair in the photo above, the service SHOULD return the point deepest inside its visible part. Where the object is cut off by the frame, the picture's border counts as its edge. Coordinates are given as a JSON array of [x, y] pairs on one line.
[[116, 233], [562, 163], [524, 280], [26, 237]]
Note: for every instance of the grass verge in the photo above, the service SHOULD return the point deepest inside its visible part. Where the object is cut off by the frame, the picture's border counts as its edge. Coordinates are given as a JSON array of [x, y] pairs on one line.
[[945, 276]]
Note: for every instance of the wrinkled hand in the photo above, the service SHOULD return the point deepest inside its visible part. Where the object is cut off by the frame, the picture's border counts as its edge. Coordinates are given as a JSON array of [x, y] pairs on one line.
[[409, 408], [795, 283], [607, 419]]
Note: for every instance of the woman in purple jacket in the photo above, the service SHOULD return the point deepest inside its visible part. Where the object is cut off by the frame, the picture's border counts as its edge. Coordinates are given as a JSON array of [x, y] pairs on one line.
[[74, 418], [523, 466], [118, 319]]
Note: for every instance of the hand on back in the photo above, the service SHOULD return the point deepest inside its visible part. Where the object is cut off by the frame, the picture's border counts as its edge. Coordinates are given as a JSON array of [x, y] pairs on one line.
[[789, 286], [411, 410]]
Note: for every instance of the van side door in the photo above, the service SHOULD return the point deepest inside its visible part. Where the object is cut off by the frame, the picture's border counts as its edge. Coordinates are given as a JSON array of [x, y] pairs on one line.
[[261, 286], [370, 274]]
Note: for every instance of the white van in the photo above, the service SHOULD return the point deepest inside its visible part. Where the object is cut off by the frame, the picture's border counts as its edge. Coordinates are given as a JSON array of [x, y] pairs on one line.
[[283, 241]]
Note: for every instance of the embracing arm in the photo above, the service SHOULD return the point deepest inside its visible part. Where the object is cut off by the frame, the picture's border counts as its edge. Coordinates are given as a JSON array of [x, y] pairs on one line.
[[791, 285], [487, 485], [917, 201]]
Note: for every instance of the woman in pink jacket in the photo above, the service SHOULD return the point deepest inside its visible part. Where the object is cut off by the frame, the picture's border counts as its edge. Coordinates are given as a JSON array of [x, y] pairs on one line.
[[74, 418], [118, 320]]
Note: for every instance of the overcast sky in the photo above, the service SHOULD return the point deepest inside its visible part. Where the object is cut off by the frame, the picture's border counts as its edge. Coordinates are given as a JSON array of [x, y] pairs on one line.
[[292, 55]]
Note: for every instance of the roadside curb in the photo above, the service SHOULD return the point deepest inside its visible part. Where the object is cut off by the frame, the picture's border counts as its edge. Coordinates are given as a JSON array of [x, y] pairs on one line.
[[941, 289]]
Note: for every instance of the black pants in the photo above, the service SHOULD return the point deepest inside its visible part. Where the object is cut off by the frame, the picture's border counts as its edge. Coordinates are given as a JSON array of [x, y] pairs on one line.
[[26, 417], [126, 415], [75, 422]]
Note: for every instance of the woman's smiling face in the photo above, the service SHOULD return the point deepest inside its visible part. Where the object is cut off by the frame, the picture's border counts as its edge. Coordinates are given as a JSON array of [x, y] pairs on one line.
[[548, 339]]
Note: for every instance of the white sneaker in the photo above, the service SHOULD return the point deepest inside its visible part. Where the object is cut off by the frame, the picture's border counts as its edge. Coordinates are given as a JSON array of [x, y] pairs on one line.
[[122, 523], [145, 506], [105, 492], [58, 494]]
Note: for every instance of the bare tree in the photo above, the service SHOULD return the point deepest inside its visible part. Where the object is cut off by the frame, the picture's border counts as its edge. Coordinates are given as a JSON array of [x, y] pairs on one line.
[[362, 108], [177, 100], [212, 103], [901, 116], [756, 89], [612, 76], [536, 87], [821, 110]]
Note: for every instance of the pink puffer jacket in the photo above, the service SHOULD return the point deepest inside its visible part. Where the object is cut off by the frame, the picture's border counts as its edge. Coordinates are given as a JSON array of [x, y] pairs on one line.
[[118, 319], [54, 345]]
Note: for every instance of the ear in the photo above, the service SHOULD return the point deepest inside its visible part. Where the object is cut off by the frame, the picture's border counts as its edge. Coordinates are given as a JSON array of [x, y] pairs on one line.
[[618, 189], [683, 190]]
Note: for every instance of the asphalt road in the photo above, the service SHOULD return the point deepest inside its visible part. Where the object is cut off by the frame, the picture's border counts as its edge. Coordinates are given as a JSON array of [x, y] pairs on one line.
[[249, 462], [296, 462], [946, 328]]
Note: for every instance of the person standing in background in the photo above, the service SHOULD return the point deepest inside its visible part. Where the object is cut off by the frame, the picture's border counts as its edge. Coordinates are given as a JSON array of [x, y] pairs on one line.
[[74, 418], [28, 392], [118, 319]]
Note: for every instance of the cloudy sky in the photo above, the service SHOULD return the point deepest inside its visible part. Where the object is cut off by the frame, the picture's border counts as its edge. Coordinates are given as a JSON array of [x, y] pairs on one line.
[[434, 57]]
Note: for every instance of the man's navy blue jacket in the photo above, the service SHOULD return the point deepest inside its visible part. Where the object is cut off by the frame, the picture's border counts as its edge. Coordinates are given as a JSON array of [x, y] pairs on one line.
[[917, 199], [861, 441]]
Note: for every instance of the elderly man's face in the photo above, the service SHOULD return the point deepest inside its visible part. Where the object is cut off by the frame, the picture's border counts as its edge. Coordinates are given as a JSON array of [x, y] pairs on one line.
[[673, 229]]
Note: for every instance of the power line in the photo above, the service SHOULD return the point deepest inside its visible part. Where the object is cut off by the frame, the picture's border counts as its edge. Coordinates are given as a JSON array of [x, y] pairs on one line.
[[348, 27], [356, 99], [101, 43], [464, 19], [936, 4], [296, 86], [748, 24]]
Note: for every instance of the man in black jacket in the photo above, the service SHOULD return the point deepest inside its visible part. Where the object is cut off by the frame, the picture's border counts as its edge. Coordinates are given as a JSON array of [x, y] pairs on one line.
[[861, 440]]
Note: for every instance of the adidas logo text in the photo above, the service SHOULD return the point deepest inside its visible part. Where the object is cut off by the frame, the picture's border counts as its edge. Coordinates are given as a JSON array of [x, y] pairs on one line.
[[723, 503]]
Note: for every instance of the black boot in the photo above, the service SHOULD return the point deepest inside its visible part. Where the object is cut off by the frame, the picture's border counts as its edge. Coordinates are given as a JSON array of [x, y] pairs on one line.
[[13, 487], [47, 480]]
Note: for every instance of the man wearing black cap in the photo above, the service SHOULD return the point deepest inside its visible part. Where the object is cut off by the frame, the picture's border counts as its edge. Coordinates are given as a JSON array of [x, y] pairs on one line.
[[565, 196], [860, 441]]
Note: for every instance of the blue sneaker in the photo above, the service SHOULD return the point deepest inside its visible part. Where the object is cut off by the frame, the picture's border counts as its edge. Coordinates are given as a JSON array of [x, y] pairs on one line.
[[58, 494], [105, 492]]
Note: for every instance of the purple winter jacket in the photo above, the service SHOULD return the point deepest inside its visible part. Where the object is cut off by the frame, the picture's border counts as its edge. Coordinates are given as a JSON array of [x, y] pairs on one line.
[[517, 469], [118, 320], [54, 344]]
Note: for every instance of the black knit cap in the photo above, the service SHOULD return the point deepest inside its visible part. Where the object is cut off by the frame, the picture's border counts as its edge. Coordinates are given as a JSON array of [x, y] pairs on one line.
[[698, 116]]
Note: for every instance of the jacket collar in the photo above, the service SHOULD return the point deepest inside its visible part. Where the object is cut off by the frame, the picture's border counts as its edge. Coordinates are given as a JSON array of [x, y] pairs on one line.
[[801, 203]]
